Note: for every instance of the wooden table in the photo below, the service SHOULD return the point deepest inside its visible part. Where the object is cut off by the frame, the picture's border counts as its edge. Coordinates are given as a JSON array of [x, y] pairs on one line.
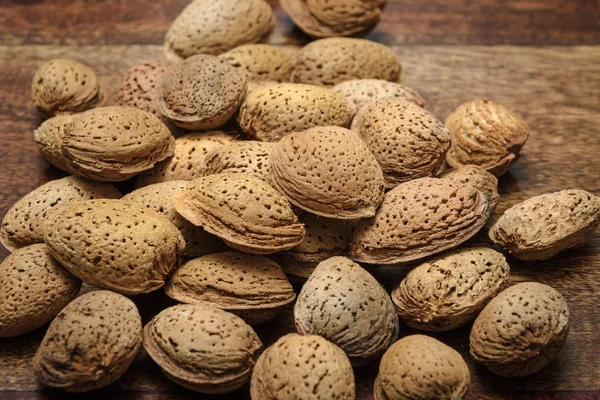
[[538, 57]]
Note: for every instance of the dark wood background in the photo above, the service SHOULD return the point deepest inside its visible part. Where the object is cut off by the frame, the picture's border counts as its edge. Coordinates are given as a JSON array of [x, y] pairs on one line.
[[539, 57]]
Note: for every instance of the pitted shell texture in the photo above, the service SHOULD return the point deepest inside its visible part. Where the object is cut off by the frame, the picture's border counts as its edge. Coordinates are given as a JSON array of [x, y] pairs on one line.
[[477, 177], [262, 62], [49, 137], [364, 91], [249, 157]]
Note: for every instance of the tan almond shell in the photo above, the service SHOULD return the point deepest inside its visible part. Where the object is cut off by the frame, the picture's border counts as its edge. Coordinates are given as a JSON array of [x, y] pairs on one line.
[[328, 171], [201, 93], [23, 223], [90, 344], [542, 226], [521, 330], [33, 289], [157, 197], [344, 303], [216, 26], [270, 112], [113, 144], [262, 62], [486, 134], [252, 287], [115, 244], [447, 292], [364, 91], [327, 62], [302, 367], [326, 18], [248, 157], [187, 162], [202, 348], [477, 177], [245, 211], [420, 218], [64, 86], [421, 367], [408, 141], [49, 137]]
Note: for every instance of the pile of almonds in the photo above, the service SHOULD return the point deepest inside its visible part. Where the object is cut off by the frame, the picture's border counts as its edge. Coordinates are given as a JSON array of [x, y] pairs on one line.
[[254, 166]]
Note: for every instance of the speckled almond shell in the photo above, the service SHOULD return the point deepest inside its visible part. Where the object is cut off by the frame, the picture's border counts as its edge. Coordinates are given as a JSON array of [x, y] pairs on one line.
[[262, 62], [270, 112], [477, 177], [364, 91], [245, 211], [420, 218], [408, 141], [157, 197], [344, 303], [327, 62], [112, 144], [252, 287], [486, 134], [248, 157], [450, 290], [24, 221], [421, 367], [115, 244], [49, 137], [202, 348], [90, 344], [542, 226], [521, 330], [326, 18], [63, 86], [33, 289], [328, 171], [187, 162], [216, 26], [302, 367]]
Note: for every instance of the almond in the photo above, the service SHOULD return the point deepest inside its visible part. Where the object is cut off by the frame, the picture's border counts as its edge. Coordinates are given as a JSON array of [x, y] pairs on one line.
[[364, 91], [477, 177], [49, 137], [249, 157], [261, 62]]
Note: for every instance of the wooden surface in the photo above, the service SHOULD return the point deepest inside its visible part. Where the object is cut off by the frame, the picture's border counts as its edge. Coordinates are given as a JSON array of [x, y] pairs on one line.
[[556, 89]]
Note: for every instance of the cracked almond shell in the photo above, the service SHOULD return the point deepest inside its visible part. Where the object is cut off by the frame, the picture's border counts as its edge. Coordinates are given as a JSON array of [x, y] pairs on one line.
[[343, 303], [328, 171], [521, 330], [302, 367], [542, 226], [114, 244], [477, 177], [420, 218], [248, 157], [90, 344], [261, 62], [449, 291], [49, 137], [202, 348], [243, 210], [364, 91]]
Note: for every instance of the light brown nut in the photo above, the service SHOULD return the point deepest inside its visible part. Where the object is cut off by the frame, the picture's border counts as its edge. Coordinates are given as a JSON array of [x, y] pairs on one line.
[[302, 367], [270, 112], [157, 197], [421, 367], [450, 290], [245, 211], [90, 344], [249, 157], [202, 348], [364, 91], [542, 226], [201, 93], [187, 162], [408, 141], [343, 303], [216, 26], [328, 171], [33, 289], [477, 177], [113, 144], [252, 287], [114, 244], [63, 86], [261, 62], [420, 218], [521, 330], [325, 18], [486, 134], [49, 137], [327, 62], [24, 221]]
